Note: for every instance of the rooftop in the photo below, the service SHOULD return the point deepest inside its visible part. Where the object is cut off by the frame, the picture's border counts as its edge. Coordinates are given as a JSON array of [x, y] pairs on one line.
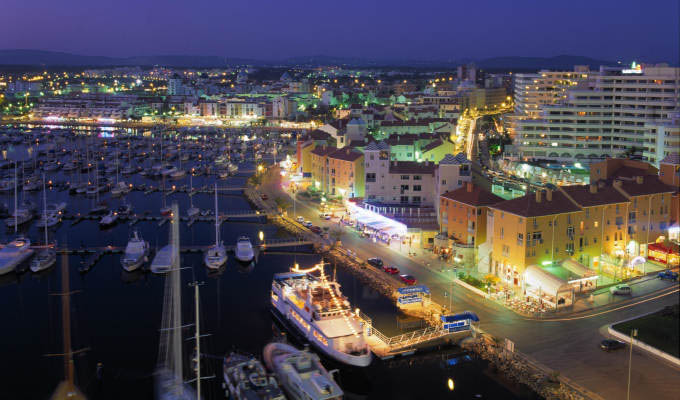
[[583, 196], [473, 195], [412, 167], [527, 206]]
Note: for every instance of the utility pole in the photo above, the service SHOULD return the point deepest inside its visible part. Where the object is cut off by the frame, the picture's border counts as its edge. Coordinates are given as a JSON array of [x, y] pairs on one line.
[[633, 333]]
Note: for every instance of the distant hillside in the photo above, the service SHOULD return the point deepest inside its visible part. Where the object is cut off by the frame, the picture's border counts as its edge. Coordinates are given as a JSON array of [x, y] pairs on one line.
[[531, 63], [52, 58]]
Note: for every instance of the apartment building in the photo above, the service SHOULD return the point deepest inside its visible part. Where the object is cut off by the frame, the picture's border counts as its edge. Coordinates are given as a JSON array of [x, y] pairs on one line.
[[534, 91], [613, 114], [410, 182], [603, 226], [669, 173], [338, 172]]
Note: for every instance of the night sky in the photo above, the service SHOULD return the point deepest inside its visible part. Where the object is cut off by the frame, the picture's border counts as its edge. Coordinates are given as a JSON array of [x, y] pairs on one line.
[[413, 29]]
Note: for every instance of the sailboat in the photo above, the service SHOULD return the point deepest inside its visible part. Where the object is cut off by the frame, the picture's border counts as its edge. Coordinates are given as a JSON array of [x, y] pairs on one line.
[[20, 215], [169, 377], [167, 256], [216, 255], [165, 210], [192, 211], [67, 388], [47, 256]]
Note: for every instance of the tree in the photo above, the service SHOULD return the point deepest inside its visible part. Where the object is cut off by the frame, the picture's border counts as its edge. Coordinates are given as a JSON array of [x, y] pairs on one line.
[[282, 203], [335, 234]]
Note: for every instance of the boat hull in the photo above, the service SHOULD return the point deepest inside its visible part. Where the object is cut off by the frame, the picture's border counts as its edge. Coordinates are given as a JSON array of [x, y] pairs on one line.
[[292, 325]]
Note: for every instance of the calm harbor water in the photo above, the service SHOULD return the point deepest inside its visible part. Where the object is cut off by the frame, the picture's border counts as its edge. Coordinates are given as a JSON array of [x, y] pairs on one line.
[[116, 315]]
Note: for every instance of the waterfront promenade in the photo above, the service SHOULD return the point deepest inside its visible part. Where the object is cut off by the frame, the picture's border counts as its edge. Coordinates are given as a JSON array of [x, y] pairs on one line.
[[568, 343]]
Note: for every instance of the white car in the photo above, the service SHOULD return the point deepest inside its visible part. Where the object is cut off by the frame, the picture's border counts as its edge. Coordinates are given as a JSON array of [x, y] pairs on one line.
[[325, 216], [620, 290], [300, 219], [307, 224]]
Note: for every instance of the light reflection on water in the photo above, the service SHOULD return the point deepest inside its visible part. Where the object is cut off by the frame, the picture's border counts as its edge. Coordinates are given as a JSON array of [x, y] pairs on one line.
[[117, 314]]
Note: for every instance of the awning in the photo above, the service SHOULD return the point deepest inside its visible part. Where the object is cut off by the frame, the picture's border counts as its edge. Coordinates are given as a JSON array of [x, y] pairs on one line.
[[545, 281], [577, 268]]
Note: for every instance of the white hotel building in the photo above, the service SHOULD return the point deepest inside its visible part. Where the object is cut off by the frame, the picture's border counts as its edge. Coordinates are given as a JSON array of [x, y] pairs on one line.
[[612, 111]]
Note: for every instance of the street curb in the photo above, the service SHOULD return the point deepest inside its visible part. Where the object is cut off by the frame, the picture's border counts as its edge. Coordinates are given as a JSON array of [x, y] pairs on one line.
[[639, 344]]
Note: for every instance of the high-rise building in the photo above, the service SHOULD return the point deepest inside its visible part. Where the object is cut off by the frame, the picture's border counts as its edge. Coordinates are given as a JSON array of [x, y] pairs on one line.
[[533, 91], [615, 113]]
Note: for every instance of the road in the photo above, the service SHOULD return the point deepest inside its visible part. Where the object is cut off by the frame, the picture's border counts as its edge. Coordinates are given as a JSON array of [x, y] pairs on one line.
[[568, 345]]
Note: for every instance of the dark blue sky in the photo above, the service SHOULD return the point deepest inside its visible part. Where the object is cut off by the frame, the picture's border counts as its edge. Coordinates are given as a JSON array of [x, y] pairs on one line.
[[418, 29]]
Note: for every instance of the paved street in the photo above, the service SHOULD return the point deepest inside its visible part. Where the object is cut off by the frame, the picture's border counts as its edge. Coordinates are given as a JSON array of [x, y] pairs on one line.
[[568, 345]]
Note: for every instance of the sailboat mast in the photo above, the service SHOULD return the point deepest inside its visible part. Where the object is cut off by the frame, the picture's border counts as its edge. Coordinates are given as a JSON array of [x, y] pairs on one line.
[[66, 321], [191, 190], [45, 208], [198, 345], [16, 201], [217, 220]]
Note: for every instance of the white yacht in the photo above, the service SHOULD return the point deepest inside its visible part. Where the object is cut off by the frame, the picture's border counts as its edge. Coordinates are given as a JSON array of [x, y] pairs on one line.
[[316, 309], [14, 253], [49, 220], [109, 219], [216, 255], [300, 373], [120, 189], [136, 253], [244, 249]]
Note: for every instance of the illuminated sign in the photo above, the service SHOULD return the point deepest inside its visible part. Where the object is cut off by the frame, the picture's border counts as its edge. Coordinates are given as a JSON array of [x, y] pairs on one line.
[[635, 68]]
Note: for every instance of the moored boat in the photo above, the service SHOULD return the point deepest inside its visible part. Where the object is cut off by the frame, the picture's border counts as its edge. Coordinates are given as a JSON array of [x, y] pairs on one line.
[[300, 373], [246, 379], [14, 253], [316, 309], [136, 253]]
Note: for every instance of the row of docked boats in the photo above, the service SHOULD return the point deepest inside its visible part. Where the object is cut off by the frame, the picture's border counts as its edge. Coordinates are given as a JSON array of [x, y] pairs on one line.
[[313, 308], [295, 374]]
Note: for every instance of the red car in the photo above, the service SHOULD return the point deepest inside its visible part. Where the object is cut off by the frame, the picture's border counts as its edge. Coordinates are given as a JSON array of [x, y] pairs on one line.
[[315, 229], [264, 197], [408, 279], [391, 269]]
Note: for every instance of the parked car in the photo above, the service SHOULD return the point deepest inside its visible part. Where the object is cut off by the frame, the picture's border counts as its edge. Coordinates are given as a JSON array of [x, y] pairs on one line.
[[391, 269], [264, 197], [611, 344], [307, 224], [408, 279], [668, 274], [300, 219], [620, 290], [315, 229], [375, 261]]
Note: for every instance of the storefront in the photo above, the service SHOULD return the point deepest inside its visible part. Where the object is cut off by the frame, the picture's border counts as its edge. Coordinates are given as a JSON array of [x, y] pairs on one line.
[[373, 225], [665, 253], [546, 288]]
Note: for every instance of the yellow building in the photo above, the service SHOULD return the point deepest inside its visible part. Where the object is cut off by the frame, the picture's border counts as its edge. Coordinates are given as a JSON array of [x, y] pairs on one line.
[[338, 172], [602, 226], [532, 230]]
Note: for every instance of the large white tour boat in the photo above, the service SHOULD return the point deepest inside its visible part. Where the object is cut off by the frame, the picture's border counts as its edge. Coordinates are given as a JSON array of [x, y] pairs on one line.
[[315, 307]]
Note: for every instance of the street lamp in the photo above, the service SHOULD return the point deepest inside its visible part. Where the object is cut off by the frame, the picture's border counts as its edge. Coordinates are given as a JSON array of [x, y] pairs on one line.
[[633, 333], [261, 236]]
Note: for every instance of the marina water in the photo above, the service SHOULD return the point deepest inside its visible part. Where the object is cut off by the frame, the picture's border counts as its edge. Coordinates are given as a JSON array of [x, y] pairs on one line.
[[116, 314]]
